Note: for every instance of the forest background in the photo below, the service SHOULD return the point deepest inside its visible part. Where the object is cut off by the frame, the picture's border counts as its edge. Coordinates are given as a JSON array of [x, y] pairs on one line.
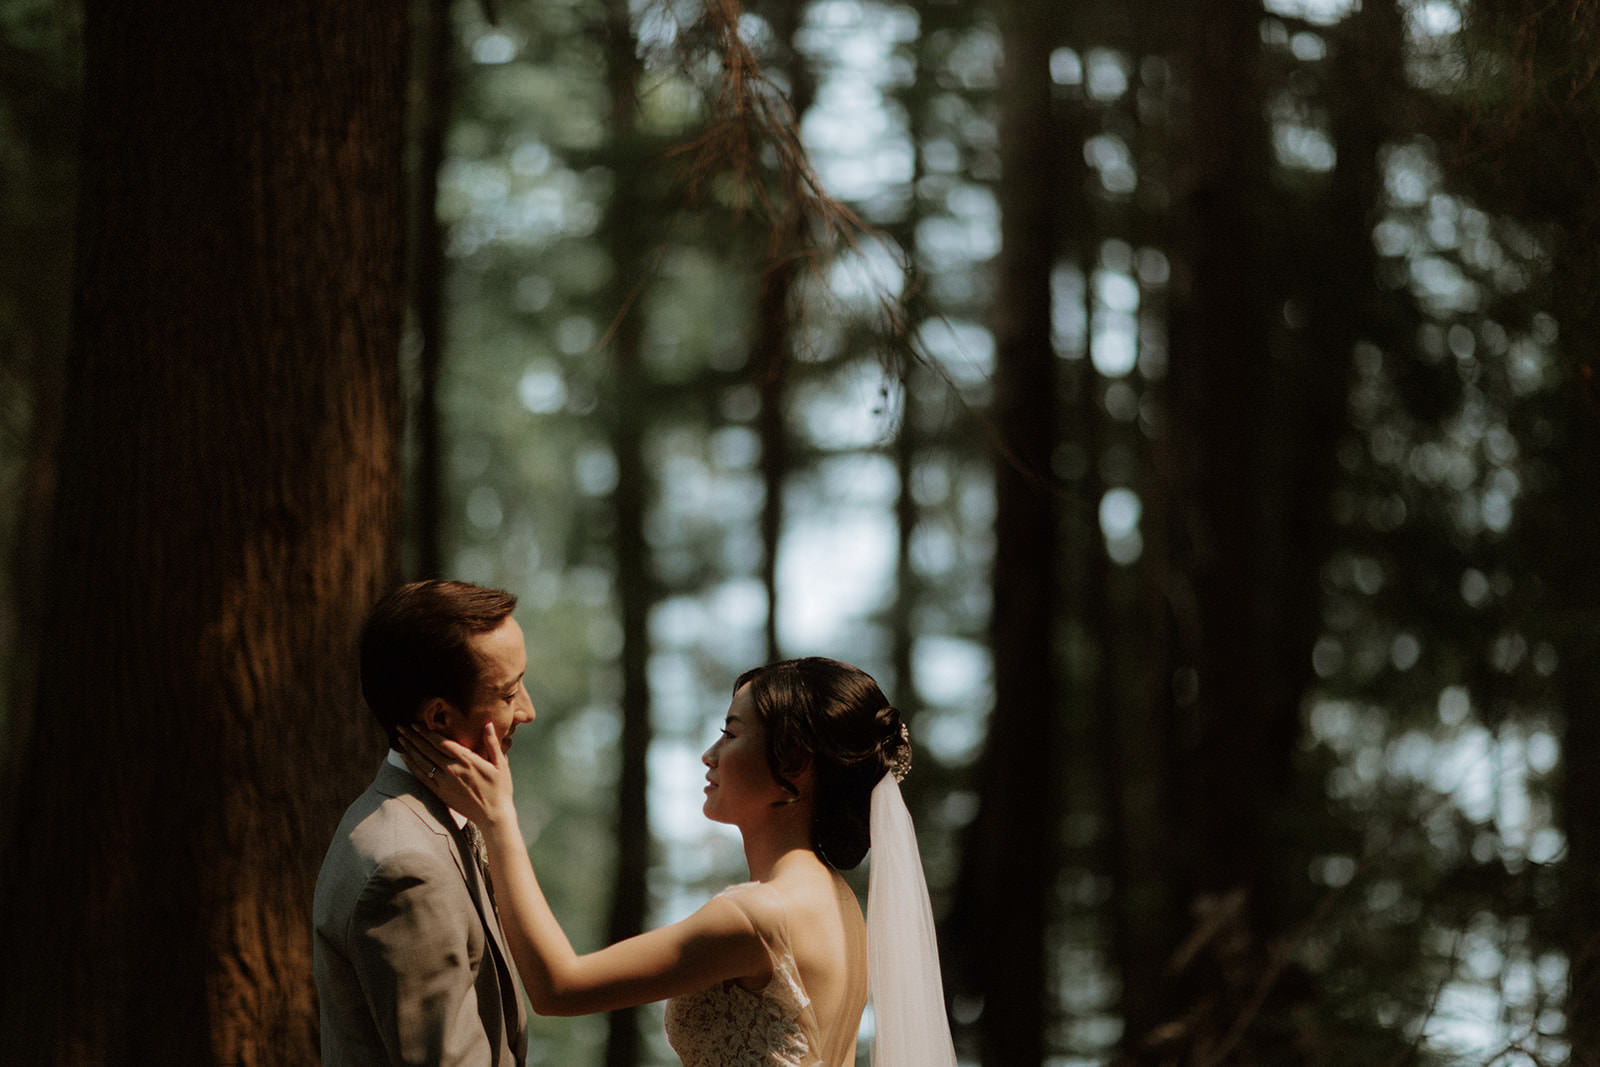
[[1186, 410]]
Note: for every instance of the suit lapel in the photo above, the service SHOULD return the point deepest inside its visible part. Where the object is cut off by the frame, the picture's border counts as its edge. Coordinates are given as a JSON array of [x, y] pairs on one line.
[[437, 816]]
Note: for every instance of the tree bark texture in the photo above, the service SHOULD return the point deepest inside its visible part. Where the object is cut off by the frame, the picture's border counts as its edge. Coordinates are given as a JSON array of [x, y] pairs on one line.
[[226, 510]]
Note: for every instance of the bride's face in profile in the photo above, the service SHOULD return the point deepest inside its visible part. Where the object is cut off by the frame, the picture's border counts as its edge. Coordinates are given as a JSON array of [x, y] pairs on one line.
[[740, 788]]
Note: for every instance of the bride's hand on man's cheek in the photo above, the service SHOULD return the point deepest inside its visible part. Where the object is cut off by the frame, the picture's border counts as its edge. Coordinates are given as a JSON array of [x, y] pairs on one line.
[[424, 758]]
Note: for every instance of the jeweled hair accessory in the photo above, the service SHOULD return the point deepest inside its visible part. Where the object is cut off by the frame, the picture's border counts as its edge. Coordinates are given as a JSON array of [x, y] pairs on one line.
[[900, 766]]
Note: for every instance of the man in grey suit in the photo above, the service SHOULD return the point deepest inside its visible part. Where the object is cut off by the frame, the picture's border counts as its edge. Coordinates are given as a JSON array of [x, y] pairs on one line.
[[411, 963]]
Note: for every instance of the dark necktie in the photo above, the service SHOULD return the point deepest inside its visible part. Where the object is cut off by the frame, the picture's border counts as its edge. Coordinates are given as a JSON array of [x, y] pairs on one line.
[[480, 855], [509, 1000]]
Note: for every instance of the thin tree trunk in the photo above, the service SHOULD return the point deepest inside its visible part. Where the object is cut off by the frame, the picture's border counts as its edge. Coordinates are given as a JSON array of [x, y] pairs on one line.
[[1531, 157], [435, 79], [630, 502], [773, 351], [227, 501], [1537, 61], [1009, 864], [42, 100], [1569, 531], [770, 357], [1230, 752], [1565, 542], [907, 586], [907, 451], [1579, 788]]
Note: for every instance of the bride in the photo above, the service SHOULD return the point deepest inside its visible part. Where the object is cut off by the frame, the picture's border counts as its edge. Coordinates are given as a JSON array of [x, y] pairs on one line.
[[772, 972]]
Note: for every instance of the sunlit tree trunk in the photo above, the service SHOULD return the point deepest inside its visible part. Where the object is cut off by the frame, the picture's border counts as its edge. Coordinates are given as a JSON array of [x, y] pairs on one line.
[[227, 506], [1009, 865], [636, 591]]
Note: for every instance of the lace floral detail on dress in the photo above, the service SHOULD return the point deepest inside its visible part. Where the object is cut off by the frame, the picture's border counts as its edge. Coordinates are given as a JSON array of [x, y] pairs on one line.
[[727, 1025]]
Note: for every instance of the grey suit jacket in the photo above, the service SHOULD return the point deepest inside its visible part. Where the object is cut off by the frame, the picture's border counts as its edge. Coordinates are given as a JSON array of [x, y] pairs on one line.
[[410, 960]]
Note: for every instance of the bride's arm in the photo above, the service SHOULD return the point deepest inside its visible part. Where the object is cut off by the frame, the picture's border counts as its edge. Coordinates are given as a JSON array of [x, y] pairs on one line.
[[715, 944]]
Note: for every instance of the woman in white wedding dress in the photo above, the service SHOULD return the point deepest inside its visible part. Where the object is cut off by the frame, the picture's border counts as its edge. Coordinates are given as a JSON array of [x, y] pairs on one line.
[[772, 972]]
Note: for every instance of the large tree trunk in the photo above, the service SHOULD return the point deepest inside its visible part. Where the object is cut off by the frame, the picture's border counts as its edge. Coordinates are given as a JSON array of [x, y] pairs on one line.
[[227, 503], [1009, 867]]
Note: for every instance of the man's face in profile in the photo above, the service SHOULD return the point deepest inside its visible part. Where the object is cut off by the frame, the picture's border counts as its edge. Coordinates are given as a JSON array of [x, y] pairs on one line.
[[501, 697]]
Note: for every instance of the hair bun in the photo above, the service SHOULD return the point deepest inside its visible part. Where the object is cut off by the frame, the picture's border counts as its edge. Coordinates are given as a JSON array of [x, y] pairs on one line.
[[895, 749]]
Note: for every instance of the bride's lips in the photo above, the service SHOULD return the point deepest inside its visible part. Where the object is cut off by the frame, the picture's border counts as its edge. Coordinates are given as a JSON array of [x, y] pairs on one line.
[[710, 785]]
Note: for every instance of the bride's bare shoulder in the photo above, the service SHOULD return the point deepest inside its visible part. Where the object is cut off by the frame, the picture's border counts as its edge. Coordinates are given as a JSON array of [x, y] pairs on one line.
[[808, 897]]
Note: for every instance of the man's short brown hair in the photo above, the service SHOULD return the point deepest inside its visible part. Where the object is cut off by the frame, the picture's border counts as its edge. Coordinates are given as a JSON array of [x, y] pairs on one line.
[[414, 647]]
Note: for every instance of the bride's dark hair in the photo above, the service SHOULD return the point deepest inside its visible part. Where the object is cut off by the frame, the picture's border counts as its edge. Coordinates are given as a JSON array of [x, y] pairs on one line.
[[835, 716]]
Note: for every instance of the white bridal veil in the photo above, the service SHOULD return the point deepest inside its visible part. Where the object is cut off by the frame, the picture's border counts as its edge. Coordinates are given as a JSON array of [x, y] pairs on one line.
[[903, 953]]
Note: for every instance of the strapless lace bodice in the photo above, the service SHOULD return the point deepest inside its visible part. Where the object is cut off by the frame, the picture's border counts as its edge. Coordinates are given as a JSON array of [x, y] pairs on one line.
[[727, 1025]]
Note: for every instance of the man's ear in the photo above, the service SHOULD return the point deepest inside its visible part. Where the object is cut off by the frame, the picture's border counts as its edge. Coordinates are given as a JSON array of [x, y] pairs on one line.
[[437, 715]]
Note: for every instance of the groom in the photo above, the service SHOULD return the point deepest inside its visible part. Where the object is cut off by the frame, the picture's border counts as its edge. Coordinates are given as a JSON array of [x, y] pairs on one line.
[[411, 963]]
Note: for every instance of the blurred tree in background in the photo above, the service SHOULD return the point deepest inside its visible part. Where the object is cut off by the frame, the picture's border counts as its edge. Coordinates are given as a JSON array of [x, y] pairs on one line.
[[1187, 410]]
